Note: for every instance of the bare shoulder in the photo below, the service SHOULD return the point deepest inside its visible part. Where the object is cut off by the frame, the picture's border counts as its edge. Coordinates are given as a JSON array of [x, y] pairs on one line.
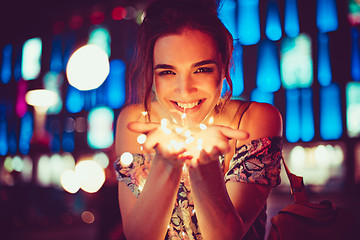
[[262, 120], [125, 139]]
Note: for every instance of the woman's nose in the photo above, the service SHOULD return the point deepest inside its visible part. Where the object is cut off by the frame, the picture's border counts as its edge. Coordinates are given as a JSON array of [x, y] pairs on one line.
[[186, 85]]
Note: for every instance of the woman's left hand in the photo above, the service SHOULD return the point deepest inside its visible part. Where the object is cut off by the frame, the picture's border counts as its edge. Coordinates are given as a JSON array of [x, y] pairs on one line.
[[212, 143]]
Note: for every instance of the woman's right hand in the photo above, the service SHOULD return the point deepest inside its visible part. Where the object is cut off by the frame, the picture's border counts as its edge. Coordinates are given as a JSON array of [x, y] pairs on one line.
[[165, 142]]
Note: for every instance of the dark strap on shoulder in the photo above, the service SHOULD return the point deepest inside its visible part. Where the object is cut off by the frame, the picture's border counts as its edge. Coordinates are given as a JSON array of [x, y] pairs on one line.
[[242, 114]]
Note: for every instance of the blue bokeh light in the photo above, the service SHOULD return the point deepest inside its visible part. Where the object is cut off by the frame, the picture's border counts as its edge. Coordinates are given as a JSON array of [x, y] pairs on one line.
[[56, 60], [330, 112], [355, 55], [326, 15], [6, 64], [291, 27], [307, 115], [116, 85], [74, 100], [292, 124], [324, 66], [273, 23], [26, 131], [268, 69], [248, 22], [260, 96]]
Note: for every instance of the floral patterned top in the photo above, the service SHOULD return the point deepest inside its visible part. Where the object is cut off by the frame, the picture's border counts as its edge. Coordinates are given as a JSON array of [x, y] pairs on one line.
[[255, 162]]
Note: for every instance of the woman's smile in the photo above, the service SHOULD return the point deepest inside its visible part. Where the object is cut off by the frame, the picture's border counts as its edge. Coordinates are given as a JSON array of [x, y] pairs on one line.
[[186, 106]]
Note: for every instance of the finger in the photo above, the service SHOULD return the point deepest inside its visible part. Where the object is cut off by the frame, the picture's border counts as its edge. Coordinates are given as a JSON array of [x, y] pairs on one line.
[[185, 157], [193, 163], [215, 153], [222, 146], [141, 127], [233, 133], [172, 154], [151, 141], [204, 157]]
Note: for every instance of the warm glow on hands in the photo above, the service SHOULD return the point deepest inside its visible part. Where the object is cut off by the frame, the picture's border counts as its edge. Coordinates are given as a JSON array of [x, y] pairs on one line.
[[194, 145]]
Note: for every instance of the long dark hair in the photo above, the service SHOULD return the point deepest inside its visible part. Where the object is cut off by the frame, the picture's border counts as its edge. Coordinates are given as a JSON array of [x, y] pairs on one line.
[[170, 17]]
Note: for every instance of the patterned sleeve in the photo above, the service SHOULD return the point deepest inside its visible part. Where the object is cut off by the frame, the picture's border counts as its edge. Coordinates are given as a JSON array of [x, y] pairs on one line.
[[135, 174], [257, 162]]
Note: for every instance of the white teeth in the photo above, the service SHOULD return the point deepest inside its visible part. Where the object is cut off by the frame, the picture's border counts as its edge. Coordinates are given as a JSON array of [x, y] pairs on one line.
[[188, 105]]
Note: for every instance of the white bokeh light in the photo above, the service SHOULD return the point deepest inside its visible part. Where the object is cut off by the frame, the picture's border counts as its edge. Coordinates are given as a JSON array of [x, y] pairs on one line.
[[90, 174], [87, 67], [41, 99], [69, 181], [126, 159]]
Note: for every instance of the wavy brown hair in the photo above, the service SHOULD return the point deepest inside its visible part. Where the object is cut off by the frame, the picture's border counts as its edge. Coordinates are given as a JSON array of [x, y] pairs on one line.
[[171, 17]]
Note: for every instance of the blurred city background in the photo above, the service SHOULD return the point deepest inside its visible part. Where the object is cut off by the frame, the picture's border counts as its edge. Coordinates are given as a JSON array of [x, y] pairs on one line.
[[63, 68]]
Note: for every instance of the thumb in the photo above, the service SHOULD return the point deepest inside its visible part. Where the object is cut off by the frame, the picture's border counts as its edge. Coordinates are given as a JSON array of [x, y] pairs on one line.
[[141, 127], [234, 133]]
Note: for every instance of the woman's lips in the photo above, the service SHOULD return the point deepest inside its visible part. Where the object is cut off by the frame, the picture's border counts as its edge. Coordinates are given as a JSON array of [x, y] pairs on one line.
[[188, 106]]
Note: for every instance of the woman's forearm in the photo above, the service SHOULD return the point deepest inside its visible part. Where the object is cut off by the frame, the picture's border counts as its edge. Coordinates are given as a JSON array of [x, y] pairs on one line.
[[151, 213], [217, 217]]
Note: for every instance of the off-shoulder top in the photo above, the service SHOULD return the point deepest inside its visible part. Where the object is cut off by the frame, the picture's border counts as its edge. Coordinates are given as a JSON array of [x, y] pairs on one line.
[[255, 162]]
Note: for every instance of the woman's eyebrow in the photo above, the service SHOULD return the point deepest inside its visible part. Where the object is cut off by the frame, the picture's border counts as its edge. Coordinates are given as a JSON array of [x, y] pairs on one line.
[[198, 64], [204, 62], [166, 66]]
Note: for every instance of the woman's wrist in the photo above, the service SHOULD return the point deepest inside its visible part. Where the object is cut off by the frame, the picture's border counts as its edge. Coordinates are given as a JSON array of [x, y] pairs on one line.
[[206, 172], [172, 166]]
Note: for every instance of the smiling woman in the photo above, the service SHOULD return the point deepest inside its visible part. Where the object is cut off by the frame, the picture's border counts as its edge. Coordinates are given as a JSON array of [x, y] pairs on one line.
[[188, 74], [204, 165]]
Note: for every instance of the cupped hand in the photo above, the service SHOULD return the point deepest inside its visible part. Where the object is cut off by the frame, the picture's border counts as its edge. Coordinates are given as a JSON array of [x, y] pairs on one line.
[[207, 145], [165, 142], [212, 143]]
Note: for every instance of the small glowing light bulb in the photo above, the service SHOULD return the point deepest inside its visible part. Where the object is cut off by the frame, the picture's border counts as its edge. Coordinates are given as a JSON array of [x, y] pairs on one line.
[[189, 140], [199, 144], [211, 120], [141, 139], [164, 122], [144, 113], [179, 130], [202, 126], [187, 133], [126, 159], [183, 115], [166, 130], [176, 145]]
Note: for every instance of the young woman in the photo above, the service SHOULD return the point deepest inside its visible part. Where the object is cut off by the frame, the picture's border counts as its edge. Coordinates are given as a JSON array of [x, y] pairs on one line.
[[213, 182]]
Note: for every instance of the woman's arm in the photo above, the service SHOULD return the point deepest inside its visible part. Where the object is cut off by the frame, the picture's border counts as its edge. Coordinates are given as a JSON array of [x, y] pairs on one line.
[[228, 211], [147, 216]]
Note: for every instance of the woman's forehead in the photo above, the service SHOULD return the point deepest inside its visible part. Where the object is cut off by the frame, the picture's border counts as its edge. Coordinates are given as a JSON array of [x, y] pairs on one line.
[[188, 45]]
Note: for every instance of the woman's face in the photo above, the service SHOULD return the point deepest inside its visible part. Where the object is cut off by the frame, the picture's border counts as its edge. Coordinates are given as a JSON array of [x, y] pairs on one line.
[[188, 74]]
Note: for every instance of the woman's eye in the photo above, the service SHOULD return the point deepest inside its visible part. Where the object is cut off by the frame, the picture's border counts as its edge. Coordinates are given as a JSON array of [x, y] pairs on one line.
[[204, 70], [166, 72]]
